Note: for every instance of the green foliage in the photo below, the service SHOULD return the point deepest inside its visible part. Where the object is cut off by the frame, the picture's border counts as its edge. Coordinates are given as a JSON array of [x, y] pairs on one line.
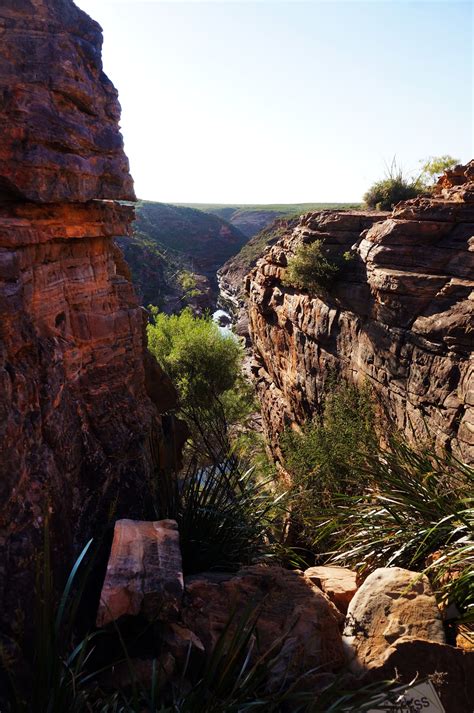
[[205, 366], [311, 269], [188, 282], [227, 516], [434, 166], [395, 187], [326, 457], [416, 511]]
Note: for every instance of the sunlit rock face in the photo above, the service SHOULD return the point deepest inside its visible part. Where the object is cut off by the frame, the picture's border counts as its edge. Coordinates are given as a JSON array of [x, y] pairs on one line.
[[400, 318], [79, 432]]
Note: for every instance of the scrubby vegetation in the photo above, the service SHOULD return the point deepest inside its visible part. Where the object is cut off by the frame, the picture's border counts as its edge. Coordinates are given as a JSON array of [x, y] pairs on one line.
[[395, 187], [366, 506], [205, 366], [312, 268]]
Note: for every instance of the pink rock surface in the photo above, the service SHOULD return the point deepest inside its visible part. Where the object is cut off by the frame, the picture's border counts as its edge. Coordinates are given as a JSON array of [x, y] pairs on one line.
[[144, 573]]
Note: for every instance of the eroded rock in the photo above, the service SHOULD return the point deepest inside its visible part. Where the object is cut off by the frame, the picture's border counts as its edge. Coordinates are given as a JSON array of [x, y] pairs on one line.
[[391, 606], [144, 574], [296, 623]]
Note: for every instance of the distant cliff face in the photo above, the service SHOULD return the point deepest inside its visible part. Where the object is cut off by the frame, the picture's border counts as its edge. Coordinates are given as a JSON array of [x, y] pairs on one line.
[[80, 398], [401, 319], [168, 240]]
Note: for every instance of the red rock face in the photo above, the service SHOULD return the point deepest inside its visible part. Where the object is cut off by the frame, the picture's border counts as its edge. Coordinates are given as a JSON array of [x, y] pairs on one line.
[[401, 318], [80, 398], [59, 112]]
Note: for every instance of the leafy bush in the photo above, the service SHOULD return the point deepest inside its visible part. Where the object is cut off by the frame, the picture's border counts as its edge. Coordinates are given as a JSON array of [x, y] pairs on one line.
[[416, 511], [205, 366], [311, 269], [434, 166], [326, 457], [395, 187]]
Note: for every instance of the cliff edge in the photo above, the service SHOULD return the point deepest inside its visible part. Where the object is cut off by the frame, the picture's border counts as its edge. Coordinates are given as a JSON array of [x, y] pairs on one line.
[[401, 318], [81, 400]]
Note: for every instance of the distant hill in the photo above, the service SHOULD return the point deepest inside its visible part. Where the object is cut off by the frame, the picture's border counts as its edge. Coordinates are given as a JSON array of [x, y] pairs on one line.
[[251, 219], [168, 240]]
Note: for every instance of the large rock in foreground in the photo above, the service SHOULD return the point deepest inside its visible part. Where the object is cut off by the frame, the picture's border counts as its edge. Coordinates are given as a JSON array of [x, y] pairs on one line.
[[144, 574], [297, 625], [391, 606]]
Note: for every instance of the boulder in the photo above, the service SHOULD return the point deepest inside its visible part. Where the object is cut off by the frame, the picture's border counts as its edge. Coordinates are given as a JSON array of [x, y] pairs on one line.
[[338, 583], [297, 626], [144, 574], [450, 670], [391, 606]]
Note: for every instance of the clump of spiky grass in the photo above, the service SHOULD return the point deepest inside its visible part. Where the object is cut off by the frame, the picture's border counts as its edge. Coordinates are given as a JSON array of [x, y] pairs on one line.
[[417, 511], [226, 515]]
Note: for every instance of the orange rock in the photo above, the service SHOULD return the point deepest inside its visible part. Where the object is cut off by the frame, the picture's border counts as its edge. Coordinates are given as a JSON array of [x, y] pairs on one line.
[[399, 319], [296, 622], [144, 574], [338, 583]]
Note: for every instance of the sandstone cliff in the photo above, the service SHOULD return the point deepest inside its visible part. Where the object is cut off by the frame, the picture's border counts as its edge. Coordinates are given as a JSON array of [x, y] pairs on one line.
[[401, 318], [77, 422]]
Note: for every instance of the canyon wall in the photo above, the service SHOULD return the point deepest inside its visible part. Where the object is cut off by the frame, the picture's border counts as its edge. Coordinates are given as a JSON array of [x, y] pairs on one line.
[[82, 403], [400, 317]]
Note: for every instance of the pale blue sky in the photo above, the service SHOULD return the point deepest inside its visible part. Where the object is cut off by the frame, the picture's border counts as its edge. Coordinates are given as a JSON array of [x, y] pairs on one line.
[[263, 102]]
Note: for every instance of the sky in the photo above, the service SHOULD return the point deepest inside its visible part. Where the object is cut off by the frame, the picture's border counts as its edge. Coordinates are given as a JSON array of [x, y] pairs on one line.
[[284, 102]]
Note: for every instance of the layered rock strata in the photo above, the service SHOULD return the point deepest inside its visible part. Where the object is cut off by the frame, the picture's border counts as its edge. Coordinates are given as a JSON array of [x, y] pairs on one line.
[[400, 317], [81, 428]]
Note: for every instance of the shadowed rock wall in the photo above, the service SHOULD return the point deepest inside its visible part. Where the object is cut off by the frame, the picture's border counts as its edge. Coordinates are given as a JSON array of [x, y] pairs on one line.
[[80, 398]]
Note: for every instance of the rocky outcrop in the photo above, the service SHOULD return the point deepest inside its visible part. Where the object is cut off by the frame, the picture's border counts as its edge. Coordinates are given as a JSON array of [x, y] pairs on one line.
[[79, 433], [400, 317]]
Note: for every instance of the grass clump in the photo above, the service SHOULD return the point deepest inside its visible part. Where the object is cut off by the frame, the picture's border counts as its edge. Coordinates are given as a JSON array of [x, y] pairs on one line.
[[392, 189], [417, 512]]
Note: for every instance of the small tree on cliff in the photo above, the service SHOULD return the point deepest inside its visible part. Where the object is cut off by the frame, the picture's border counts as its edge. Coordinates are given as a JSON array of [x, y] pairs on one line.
[[205, 366], [433, 167]]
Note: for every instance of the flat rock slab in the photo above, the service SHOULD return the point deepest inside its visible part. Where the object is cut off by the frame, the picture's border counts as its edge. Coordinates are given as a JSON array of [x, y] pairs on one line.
[[338, 583], [392, 605], [144, 573], [297, 624]]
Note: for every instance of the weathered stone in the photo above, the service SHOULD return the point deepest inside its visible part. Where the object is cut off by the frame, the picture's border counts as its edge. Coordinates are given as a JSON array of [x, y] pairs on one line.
[[144, 574], [59, 112], [399, 319], [81, 424], [338, 583], [392, 605], [296, 622], [451, 671]]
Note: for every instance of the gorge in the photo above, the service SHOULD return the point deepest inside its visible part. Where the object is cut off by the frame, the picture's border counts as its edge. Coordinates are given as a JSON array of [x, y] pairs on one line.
[[201, 588]]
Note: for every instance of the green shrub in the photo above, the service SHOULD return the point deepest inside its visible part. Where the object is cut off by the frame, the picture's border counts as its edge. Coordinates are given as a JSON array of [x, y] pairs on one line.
[[325, 458], [311, 269], [395, 187], [205, 366]]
